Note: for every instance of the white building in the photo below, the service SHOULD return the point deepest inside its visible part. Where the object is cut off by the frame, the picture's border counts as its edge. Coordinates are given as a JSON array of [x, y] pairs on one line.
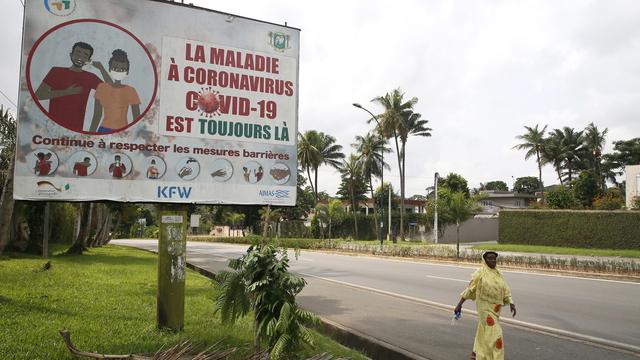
[[633, 183]]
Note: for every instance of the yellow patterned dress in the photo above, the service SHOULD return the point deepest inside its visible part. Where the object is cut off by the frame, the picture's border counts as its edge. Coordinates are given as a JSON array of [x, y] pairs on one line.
[[490, 292]]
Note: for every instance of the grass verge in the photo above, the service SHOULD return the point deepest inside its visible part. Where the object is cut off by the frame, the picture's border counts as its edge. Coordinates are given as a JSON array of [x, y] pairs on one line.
[[559, 250], [107, 299]]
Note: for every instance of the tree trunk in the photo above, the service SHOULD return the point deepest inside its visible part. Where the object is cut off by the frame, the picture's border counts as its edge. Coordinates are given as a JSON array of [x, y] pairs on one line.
[[395, 240], [457, 239], [6, 212], [353, 203], [316, 188], [103, 225], [402, 178], [80, 243], [540, 176], [375, 214], [329, 227], [313, 189]]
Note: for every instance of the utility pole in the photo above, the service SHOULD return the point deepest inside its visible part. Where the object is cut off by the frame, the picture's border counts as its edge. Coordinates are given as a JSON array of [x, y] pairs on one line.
[[435, 209], [172, 259]]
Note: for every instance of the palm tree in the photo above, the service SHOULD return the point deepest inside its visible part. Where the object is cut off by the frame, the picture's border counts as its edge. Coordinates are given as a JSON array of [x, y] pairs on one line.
[[399, 121], [572, 150], [552, 153], [351, 171], [7, 148], [309, 155], [370, 159], [233, 219], [330, 213], [594, 141], [533, 143], [316, 149], [461, 208], [268, 216]]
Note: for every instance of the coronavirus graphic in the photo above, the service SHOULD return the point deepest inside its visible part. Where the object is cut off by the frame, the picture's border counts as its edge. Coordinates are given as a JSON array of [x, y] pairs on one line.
[[208, 102]]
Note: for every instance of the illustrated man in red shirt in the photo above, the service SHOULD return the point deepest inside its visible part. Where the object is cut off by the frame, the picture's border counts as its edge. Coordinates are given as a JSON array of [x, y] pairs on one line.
[[81, 168], [68, 88], [43, 164], [117, 169]]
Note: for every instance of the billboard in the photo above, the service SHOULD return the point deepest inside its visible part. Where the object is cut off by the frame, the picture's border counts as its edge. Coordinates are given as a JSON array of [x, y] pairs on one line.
[[149, 101]]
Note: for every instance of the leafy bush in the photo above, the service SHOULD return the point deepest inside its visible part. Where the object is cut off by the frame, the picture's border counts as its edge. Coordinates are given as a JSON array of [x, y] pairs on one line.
[[611, 200], [635, 203], [586, 188], [561, 197], [295, 229], [261, 281], [588, 229]]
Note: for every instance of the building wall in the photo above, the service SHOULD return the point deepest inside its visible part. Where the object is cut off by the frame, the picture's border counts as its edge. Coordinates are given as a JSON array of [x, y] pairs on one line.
[[472, 230], [633, 182]]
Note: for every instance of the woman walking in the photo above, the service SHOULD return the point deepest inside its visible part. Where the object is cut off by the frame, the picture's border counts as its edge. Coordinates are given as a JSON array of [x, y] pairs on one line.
[[490, 292]]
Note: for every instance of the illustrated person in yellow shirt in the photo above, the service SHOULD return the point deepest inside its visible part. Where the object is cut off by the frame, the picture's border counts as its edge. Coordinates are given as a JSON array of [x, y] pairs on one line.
[[115, 99]]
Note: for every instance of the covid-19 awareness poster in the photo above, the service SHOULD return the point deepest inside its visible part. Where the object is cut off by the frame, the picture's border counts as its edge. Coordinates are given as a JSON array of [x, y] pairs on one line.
[[153, 101]]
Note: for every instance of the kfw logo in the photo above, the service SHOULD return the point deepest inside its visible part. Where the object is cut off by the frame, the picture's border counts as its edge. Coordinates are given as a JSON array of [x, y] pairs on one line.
[[60, 7], [172, 192], [278, 194]]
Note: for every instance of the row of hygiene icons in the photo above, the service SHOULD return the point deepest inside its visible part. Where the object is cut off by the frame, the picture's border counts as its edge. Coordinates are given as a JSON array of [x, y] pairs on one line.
[[45, 162]]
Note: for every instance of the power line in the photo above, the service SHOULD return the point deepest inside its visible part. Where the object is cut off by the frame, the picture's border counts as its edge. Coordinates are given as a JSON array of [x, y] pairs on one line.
[[6, 97]]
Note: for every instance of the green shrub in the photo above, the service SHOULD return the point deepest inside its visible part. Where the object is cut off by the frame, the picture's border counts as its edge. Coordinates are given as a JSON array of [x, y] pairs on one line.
[[63, 218], [635, 203], [611, 200], [583, 229], [561, 197], [295, 229]]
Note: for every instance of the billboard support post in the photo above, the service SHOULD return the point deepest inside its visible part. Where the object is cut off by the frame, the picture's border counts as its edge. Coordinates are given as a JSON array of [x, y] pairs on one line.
[[172, 247]]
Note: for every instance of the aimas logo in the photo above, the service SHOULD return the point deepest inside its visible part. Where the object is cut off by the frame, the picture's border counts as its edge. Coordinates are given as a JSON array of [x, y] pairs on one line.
[[60, 7], [279, 41], [274, 194]]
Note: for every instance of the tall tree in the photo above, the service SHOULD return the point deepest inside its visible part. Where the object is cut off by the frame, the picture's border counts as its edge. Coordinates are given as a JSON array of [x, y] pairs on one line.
[[370, 150], [625, 152], [552, 154], [455, 183], [460, 207], [399, 121], [268, 215], [309, 155], [352, 186], [7, 149], [497, 185], [526, 185], [330, 213], [594, 141], [573, 151], [316, 149], [533, 142]]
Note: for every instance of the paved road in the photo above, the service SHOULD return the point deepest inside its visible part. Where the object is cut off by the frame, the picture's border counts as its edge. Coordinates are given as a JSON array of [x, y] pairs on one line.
[[402, 303]]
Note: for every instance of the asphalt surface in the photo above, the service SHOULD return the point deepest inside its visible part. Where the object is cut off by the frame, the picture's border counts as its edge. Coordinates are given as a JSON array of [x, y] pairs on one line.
[[404, 303]]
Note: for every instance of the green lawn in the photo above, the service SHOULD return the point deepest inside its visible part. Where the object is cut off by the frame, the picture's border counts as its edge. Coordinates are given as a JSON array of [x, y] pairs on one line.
[[107, 299], [559, 250]]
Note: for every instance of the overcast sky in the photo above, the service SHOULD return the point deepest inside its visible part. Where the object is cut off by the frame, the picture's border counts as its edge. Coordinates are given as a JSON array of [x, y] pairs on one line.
[[480, 69]]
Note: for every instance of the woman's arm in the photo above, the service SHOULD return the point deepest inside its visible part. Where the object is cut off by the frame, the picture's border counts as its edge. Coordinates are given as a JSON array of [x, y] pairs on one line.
[[135, 110], [458, 307], [105, 74], [97, 116]]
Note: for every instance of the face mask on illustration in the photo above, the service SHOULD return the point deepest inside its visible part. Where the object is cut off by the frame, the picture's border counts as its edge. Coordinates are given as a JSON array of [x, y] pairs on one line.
[[118, 76]]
